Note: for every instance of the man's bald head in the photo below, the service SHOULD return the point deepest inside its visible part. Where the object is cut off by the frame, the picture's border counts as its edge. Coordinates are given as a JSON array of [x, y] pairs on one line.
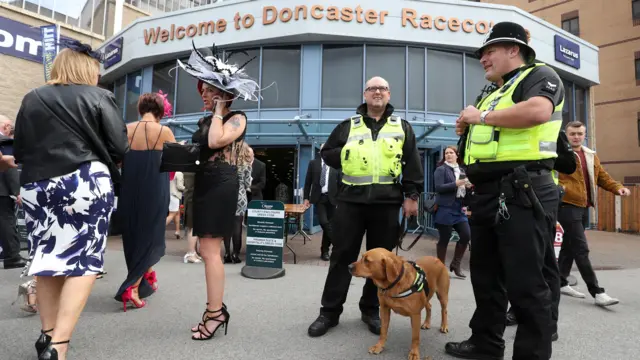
[[377, 81], [6, 125], [377, 95]]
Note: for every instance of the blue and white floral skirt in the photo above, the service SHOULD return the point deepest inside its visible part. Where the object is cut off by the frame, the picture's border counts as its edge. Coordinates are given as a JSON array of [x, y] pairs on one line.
[[67, 220]]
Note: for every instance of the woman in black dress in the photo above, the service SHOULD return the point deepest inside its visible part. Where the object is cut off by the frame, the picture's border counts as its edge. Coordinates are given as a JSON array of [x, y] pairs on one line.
[[215, 197], [144, 200]]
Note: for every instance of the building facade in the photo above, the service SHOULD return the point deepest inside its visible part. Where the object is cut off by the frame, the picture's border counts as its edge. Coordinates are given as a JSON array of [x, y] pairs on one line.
[[312, 60], [614, 27]]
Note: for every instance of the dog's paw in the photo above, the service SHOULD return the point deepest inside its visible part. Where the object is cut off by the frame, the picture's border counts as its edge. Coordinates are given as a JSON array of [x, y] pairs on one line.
[[444, 329], [414, 355], [425, 326], [376, 349]]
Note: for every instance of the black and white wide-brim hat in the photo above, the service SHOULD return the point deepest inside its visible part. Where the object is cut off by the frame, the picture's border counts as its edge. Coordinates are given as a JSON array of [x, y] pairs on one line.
[[508, 32], [216, 71]]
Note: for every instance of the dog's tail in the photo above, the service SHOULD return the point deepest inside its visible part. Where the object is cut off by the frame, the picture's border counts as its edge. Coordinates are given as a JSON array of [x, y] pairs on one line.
[[444, 281]]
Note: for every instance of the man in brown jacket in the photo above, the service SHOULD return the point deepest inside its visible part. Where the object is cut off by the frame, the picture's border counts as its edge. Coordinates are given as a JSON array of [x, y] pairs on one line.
[[580, 194]]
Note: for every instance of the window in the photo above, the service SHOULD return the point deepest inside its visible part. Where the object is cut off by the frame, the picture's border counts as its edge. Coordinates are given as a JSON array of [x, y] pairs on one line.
[[165, 81], [134, 84], [282, 66], [342, 76], [635, 10], [119, 93], [253, 70], [567, 109], [475, 80], [188, 99], [572, 26], [571, 22], [638, 71], [444, 82], [389, 62], [416, 79], [639, 129]]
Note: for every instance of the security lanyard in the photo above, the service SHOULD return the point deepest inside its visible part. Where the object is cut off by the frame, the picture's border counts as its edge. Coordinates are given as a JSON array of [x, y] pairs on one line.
[[506, 86]]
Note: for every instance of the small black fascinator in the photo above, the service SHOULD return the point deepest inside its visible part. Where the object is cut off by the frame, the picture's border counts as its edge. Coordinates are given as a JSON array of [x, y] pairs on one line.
[[77, 46]]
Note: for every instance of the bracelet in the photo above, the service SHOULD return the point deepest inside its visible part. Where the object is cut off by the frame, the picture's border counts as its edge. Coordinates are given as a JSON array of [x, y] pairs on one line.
[[218, 116]]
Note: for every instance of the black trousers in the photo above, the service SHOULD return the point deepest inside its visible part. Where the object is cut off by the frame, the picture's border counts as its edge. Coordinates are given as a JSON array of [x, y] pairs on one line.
[[325, 210], [444, 233], [236, 236], [8, 231], [575, 247], [508, 263], [351, 221], [551, 274]]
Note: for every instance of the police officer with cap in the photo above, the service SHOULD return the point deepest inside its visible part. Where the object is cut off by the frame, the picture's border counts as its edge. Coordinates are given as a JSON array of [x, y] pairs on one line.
[[381, 172], [509, 147]]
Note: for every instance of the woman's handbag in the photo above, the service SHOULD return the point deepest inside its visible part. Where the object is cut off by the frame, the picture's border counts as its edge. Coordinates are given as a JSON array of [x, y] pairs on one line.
[[178, 157], [429, 204]]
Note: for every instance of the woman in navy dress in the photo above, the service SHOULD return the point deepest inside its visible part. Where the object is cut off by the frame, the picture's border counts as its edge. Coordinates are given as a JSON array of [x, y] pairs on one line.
[[215, 197], [451, 188], [145, 200], [69, 138]]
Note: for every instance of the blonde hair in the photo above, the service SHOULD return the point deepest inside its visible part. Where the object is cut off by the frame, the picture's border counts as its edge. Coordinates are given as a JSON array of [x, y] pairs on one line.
[[72, 67], [245, 154]]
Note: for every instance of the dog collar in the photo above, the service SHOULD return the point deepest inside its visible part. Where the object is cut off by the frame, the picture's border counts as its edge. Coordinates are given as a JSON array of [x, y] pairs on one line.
[[419, 284]]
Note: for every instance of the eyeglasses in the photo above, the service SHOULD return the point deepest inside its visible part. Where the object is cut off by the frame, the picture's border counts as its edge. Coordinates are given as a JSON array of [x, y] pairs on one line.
[[377, 88]]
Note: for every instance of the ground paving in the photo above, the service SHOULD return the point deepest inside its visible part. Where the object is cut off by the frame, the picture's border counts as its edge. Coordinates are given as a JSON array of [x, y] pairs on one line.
[[270, 317]]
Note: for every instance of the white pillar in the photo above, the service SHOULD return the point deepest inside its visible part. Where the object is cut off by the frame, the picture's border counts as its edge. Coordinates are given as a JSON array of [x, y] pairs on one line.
[[117, 20]]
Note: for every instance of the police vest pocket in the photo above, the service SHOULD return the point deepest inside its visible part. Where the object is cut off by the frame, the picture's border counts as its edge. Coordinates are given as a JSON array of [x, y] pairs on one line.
[[391, 147], [483, 144]]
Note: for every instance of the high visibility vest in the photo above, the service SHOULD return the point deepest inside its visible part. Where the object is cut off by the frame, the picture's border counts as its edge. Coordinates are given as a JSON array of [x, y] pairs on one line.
[[365, 161], [487, 143]]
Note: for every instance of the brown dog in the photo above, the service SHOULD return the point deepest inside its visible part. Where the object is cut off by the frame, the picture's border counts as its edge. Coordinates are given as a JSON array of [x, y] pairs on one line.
[[394, 277]]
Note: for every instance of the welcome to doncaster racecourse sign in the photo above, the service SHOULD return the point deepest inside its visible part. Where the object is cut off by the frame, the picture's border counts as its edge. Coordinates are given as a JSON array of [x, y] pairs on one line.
[[272, 15]]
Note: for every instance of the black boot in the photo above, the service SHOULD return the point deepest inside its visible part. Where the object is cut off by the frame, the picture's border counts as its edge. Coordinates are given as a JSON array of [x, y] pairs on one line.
[[441, 252], [321, 325], [227, 258], [467, 350], [235, 259], [457, 259]]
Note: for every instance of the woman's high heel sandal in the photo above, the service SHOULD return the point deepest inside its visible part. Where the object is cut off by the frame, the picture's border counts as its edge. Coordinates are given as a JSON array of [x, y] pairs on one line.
[[128, 296], [26, 290], [43, 341], [205, 334], [202, 321], [50, 353], [152, 279]]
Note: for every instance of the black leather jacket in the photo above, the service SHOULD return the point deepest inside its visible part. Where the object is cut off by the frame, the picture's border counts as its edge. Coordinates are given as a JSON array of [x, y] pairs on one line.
[[59, 127]]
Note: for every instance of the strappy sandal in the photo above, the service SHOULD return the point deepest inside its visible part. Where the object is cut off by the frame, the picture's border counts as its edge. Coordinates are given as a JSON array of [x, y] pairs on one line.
[[205, 334], [50, 353], [201, 323], [43, 341], [25, 290]]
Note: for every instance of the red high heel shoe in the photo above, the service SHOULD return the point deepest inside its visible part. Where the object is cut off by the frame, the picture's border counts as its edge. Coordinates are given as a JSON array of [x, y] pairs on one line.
[[128, 296], [152, 279]]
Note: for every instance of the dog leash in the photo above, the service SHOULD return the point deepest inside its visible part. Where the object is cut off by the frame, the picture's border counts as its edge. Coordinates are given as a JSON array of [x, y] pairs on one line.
[[403, 232]]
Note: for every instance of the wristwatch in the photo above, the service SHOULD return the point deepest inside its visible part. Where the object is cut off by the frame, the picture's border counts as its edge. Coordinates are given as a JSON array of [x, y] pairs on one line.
[[483, 116], [413, 196]]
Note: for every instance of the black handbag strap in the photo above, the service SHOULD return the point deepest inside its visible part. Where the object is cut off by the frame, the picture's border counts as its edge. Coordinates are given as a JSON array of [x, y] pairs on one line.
[[403, 232]]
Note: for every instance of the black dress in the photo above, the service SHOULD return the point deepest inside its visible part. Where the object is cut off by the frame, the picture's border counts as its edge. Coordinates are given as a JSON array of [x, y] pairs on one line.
[[215, 195], [143, 206]]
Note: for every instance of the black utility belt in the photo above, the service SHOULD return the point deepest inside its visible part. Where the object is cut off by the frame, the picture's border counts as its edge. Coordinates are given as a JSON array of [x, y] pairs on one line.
[[537, 178]]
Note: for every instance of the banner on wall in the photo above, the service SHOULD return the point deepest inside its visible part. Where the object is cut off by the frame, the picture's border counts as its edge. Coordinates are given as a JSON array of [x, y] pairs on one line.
[[50, 41]]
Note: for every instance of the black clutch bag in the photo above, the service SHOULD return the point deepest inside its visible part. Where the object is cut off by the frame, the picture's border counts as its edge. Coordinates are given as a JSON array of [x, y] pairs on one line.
[[178, 157]]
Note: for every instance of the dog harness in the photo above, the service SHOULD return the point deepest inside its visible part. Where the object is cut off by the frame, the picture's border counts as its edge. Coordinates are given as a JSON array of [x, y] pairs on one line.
[[419, 284]]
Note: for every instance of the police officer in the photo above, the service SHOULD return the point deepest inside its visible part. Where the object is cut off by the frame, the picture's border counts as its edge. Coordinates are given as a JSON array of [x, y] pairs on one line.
[[510, 151], [373, 149]]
